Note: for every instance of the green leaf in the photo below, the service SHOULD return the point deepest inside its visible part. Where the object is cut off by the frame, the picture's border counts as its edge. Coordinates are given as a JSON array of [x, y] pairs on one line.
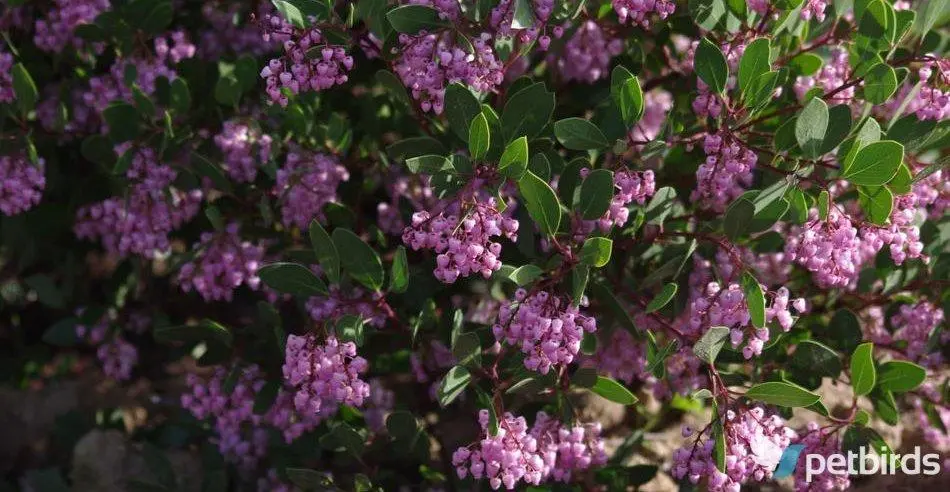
[[579, 134], [326, 252], [900, 376], [761, 89], [525, 274], [627, 95], [877, 202], [845, 330], [24, 88], [738, 218], [885, 406], [461, 107], [660, 206], [309, 479], [862, 369], [596, 251], [158, 19], [399, 278], [711, 66], [453, 384], [514, 160], [935, 9], [360, 261], [479, 138], [880, 83], [206, 330], [756, 60], [123, 121], [292, 278], [395, 89], [755, 299], [579, 277], [297, 12], [179, 96], [527, 112], [811, 126], [597, 191], [428, 164], [402, 425], [839, 125], [613, 391], [875, 164], [663, 298], [782, 394], [523, 17], [541, 202], [467, 350], [411, 19], [816, 358], [806, 64], [874, 23], [719, 445], [62, 333], [708, 346], [98, 149]]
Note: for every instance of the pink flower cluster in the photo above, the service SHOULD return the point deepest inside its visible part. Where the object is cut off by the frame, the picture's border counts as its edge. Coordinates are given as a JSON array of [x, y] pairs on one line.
[[106, 88], [830, 248], [21, 183], [929, 103], [915, 324], [725, 173], [933, 193], [465, 244], [139, 223], [227, 36], [727, 307], [117, 357], [427, 63], [621, 356], [502, 16], [835, 73], [380, 404], [630, 187], [639, 12], [587, 54], [902, 236], [657, 104], [755, 442], [930, 392], [568, 449], [824, 442], [324, 376], [6, 79], [305, 184], [549, 450], [245, 149], [242, 436], [412, 189], [310, 62], [355, 301], [814, 9], [57, 30], [223, 262], [547, 327]]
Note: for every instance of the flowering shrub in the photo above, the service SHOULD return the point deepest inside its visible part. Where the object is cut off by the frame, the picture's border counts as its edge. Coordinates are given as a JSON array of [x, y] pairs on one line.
[[420, 244]]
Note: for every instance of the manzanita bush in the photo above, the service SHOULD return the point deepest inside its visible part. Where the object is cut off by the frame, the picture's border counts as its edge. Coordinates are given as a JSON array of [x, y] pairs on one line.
[[405, 240]]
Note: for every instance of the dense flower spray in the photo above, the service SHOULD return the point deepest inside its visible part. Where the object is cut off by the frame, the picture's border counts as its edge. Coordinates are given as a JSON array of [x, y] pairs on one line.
[[324, 375], [224, 262], [755, 441], [21, 183], [305, 183], [545, 326], [140, 223]]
